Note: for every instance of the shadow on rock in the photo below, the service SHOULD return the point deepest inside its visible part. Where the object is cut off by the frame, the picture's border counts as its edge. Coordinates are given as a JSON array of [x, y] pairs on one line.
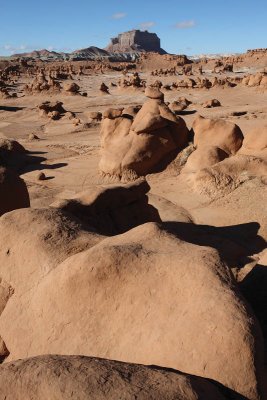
[[253, 288], [234, 243]]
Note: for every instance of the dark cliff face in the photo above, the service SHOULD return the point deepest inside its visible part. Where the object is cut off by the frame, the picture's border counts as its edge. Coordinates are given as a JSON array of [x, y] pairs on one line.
[[135, 41]]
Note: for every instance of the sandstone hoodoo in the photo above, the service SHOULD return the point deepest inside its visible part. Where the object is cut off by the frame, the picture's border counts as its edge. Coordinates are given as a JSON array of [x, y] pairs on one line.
[[136, 146], [135, 41]]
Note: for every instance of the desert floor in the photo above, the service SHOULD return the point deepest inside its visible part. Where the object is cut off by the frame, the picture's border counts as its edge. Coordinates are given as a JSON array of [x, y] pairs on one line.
[[70, 154]]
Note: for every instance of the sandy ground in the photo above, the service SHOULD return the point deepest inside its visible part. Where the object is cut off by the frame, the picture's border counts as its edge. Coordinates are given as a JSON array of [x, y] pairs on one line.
[[71, 154]]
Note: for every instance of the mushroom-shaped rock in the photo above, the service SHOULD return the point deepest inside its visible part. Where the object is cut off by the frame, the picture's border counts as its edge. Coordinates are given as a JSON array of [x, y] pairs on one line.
[[131, 111], [144, 144], [54, 115], [33, 136], [104, 88], [94, 115], [177, 107], [48, 106], [11, 145], [154, 93], [71, 88], [211, 103], [112, 113]]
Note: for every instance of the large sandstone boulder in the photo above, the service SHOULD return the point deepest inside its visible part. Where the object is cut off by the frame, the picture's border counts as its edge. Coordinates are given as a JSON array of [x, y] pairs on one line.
[[143, 297], [211, 103], [13, 191], [255, 142], [49, 107], [71, 88], [255, 80], [6, 291], [10, 145], [52, 235], [203, 157], [253, 287], [12, 153], [216, 132], [112, 210], [224, 177], [49, 237], [59, 377], [142, 145], [263, 83]]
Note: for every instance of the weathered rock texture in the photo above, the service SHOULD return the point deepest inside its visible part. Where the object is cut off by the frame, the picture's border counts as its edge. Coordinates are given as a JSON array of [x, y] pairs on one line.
[[135, 147], [60, 377], [112, 210], [116, 299]]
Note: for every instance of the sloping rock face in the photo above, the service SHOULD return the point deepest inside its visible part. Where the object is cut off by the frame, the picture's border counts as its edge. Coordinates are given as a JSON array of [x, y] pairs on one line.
[[51, 235], [225, 176], [13, 191], [116, 299], [59, 377], [112, 210], [135, 40], [255, 142]]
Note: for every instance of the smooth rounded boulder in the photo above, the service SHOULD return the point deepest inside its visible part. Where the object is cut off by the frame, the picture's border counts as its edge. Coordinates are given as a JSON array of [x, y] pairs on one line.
[[217, 132], [144, 297], [204, 156], [227, 175], [68, 227], [255, 142], [49, 236], [114, 209]]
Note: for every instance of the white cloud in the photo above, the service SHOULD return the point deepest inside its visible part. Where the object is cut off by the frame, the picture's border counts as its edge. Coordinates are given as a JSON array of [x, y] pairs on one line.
[[119, 15], [146, 25], [13, 49], [185, 24]]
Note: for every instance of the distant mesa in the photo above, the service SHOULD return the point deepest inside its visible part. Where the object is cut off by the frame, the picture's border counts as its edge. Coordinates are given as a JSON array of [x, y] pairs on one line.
[[135, 41], [126, 46]]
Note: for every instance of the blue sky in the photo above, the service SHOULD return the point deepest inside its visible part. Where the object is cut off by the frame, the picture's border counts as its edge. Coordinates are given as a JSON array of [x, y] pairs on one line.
[[184, 26]]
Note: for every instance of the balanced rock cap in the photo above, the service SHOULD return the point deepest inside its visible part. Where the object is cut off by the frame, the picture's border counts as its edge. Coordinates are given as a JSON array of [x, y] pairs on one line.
[[154, 93]]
